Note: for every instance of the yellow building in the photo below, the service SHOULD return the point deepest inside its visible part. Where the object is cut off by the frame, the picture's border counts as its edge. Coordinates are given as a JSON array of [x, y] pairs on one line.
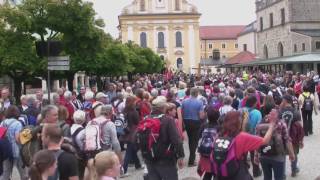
[[219, 41], [169, 27]]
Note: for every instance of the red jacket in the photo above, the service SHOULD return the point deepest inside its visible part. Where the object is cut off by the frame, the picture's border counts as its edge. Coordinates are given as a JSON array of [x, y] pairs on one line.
[[144, 108], [71, 110]]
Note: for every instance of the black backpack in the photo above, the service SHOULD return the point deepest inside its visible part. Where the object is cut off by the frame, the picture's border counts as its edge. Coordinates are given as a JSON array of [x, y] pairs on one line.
[[277, 97], [307, 103], [276, 146], [207, 141], [81, 155]]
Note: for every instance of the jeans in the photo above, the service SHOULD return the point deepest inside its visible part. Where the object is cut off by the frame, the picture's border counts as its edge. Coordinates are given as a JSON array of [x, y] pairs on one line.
[[307, 122], [162, 171], [192, 128], [294, 164], [131, 156], [269, 166], [8, 167]]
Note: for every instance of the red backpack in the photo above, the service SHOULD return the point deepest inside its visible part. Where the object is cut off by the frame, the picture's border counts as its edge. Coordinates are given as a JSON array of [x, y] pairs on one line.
[[148, 132], [298, 88]]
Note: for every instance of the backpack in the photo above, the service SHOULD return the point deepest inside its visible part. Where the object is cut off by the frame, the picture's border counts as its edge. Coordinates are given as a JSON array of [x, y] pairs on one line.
[[4, 142], [148, 132], [288, 117], [80, 154], [245, 116], [207, 141], [29, 144], [277, 97], [298, 88], [23, 119], [93, 134], [143, 109], [56, 174], [121, 124], [215, 103], [295, 102], [276, 145], [224, 160], [307, 103]]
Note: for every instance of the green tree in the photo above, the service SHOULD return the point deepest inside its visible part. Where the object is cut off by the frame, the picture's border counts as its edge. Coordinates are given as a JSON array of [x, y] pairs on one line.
[[18, 58], [143, 60], [74, 22]]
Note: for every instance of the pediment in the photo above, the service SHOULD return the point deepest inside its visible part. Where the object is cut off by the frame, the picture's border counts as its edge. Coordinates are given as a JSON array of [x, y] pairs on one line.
[[179, 53], [161, 28]]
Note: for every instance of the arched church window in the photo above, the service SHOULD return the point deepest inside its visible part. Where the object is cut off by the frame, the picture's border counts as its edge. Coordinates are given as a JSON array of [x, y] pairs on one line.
[[265, 52], [177, 5], [280, 49], [179, 63], [160, 40], [143, 39], [178, 39], [142, 5]]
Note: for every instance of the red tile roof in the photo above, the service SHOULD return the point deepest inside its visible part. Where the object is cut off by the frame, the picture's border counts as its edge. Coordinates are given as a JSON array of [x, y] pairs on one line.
[[242, 58], [220, 32]]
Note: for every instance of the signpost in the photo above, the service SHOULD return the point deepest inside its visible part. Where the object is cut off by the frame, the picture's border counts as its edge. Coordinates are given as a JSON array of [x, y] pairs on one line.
[[57, 63]]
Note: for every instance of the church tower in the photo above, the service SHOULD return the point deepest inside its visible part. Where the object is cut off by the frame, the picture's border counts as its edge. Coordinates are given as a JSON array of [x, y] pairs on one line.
[[169, 27]]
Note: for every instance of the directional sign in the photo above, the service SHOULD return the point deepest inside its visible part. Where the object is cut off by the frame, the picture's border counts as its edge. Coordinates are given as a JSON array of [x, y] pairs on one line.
[[59, 63], [58, 68], [58, 58]]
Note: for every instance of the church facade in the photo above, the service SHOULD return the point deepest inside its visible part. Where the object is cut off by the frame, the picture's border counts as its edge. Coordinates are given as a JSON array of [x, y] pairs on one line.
[[169, 27]]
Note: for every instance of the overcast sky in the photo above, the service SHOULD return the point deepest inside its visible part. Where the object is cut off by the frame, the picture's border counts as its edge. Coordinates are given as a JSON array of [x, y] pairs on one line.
[[214, 12]]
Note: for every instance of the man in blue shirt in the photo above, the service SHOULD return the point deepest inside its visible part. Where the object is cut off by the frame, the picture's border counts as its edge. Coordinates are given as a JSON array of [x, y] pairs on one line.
[[193, 112], [255, 118]]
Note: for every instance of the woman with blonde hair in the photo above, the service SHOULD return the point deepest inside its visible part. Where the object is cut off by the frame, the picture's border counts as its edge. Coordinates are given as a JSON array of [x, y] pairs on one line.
[[63, 115], [105, 166]]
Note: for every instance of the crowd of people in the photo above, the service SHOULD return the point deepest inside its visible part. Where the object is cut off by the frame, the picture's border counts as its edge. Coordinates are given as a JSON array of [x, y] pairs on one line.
[[232, 122]]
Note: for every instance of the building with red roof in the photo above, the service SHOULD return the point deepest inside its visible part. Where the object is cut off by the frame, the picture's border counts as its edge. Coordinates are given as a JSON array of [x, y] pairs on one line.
[[241, 58], [222, 39]]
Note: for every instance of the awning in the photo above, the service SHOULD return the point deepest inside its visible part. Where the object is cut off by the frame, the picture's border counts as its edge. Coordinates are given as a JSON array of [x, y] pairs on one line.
[[212, 62], [296, 59]]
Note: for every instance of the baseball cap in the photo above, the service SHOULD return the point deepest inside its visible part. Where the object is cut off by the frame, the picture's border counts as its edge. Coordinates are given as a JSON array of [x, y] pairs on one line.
[[101, 95]]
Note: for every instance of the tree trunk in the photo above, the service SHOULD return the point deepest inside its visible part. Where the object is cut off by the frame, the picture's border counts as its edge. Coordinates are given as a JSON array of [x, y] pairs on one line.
[[70, 78], [99, 83], [17, 89]]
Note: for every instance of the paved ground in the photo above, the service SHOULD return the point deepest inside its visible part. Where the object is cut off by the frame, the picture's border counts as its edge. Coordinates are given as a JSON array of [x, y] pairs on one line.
[[309, 160]]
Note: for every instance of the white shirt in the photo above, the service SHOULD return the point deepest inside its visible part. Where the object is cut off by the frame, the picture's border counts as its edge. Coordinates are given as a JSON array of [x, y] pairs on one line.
[[225, 109]]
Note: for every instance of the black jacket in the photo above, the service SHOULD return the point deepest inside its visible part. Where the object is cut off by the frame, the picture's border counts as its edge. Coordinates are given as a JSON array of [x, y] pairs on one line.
[[169, 136]]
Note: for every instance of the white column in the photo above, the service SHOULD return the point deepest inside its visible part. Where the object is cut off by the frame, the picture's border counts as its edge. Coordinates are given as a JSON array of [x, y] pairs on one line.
[[155, 38], [166, 38], [192, 47], [130, 33]]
